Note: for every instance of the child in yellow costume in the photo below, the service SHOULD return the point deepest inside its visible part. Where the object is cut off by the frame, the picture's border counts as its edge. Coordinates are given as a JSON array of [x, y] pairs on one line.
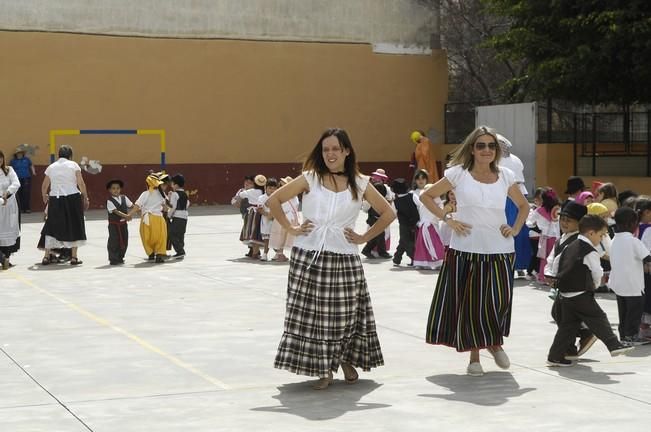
[[153, 228]]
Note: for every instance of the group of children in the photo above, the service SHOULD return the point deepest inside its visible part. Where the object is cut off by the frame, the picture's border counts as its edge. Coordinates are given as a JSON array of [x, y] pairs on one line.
[[260, 230], [422, 237], [164, 216], [593, 241]]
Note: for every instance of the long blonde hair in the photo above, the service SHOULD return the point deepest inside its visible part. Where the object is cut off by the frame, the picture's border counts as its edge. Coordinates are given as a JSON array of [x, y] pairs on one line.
[[463, 156]]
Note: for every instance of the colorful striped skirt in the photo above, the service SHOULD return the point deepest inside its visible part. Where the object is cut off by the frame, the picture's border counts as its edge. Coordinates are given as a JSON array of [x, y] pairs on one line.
[[471, 308], [329, 318]]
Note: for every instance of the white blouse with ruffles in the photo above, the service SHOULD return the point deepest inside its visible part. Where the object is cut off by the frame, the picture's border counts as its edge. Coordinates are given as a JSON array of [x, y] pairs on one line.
[[330, 212]]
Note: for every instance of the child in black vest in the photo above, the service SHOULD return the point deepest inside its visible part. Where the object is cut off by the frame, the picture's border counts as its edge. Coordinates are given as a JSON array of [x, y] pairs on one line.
[[570, 216], [118, 206], [408, 218], [579, 273], [178, 215]]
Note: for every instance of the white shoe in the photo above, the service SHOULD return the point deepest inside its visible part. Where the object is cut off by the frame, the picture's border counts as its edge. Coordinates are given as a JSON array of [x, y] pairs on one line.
[[475, 369], [264, 257], [501, 359]]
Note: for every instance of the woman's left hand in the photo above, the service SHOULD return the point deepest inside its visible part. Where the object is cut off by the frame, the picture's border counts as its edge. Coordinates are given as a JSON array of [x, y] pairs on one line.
[[508, 231], [86, 203], [353, 237]]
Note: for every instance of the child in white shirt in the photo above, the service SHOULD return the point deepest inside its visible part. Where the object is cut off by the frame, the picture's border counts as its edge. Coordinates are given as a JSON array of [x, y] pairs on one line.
[[267, 218], [627, 258]]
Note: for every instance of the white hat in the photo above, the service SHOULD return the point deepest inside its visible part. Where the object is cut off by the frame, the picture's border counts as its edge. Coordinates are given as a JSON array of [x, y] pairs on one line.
[[504, 143]]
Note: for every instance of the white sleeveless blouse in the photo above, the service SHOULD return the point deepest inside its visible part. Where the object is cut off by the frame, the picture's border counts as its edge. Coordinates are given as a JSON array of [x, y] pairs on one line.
[[330, 212]]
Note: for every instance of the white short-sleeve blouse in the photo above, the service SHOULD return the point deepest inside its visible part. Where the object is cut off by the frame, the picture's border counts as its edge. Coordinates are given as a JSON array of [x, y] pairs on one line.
[[330, 212], [481, 205], [63, 177]]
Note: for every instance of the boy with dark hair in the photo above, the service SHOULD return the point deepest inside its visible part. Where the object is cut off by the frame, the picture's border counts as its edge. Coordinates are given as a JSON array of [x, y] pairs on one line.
[[408, 218], [178, 215], [117, 206], [579, 273], [378, 242], [570, 216], [628, 255]]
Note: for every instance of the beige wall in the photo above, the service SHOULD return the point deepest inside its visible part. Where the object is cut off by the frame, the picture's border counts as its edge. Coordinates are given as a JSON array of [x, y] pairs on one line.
[[220, 101]]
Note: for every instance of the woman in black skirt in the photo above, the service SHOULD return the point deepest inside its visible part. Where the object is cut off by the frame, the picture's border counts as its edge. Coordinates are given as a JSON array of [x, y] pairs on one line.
[[67, 199], [329, 319]]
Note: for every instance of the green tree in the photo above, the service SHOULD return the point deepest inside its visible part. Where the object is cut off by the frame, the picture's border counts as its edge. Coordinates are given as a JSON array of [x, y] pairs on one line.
[[586, 51]]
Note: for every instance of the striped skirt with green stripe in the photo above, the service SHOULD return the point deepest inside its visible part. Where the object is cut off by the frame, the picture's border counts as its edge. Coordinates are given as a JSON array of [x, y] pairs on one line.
[[471, 308]]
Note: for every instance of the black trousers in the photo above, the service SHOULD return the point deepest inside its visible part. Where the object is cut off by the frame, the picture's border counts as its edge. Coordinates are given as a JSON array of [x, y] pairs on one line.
[[647, 293], [534, 264], [118, 241], [24, 194], [574, 310], [176, 234], [406, 243], [378, 242], [630, 315]]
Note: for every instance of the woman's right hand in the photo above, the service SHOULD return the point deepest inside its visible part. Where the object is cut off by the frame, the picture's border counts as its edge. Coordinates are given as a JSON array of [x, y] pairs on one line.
[[46, 198], [303, 229], [461, 228]]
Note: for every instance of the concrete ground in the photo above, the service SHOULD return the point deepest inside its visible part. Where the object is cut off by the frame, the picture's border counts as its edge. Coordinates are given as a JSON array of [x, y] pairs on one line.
[[189, 346]]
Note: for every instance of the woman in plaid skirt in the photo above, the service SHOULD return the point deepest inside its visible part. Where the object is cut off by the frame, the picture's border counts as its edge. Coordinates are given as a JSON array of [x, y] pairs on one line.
[[471, 309], [329, 319]]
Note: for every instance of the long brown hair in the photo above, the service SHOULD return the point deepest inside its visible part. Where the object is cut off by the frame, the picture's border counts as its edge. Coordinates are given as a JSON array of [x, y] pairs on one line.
[[463, 154], [315, 162], [3, 165]]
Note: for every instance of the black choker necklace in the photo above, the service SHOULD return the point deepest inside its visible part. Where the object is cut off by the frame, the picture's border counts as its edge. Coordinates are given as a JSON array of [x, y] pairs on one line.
[[338, 173]]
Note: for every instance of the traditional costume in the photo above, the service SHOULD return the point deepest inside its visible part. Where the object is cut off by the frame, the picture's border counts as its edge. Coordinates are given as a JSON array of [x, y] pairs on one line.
[[153, 228], [118, 238]]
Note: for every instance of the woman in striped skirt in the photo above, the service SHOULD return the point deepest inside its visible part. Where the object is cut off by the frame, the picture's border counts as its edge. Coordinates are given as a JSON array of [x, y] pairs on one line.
[[329, 319], [471, 309]]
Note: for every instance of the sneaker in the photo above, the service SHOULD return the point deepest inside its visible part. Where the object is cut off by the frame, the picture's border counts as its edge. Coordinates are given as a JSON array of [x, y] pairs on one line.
[[559, 363], [634, 341], [152, 257], [368, 255], [264, 257], [620, 349], [386, 255], [160, 259], [475, 369], [501, 359], [178, 256]]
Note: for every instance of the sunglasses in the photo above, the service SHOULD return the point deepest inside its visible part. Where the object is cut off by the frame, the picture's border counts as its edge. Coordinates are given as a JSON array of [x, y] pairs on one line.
[[482, 146]]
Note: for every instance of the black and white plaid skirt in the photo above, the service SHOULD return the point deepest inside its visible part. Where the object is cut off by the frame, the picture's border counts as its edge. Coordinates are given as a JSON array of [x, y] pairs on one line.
[[329, 317]]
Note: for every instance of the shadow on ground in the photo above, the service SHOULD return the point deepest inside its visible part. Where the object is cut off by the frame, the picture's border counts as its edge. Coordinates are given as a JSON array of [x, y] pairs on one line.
[[584, 373], [301, 400], [492, 389]]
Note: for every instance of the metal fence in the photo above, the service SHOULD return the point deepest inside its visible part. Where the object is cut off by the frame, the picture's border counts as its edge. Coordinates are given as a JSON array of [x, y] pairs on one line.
[[605, 143]]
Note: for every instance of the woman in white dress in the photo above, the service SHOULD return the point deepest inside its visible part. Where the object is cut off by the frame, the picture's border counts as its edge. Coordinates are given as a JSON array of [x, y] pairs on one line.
[[9, 213]]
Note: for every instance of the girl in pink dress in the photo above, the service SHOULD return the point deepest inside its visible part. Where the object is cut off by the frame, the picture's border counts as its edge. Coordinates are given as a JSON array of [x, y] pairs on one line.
[[429, 250]]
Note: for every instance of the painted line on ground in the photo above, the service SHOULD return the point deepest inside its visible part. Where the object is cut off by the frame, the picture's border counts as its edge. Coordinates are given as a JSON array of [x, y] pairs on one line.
[[140, 341]]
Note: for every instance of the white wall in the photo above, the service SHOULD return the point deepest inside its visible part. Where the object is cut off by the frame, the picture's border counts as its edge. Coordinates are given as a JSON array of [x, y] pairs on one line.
[[517, 122], [399, 22]]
